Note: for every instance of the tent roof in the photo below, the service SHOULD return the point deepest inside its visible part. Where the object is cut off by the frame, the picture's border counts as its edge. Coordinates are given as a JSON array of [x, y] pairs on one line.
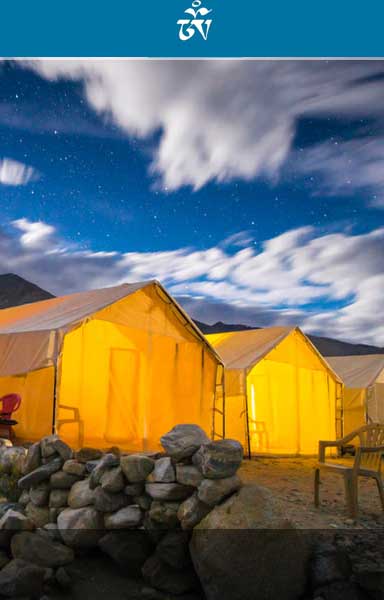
[[244, 349], [359, 371]]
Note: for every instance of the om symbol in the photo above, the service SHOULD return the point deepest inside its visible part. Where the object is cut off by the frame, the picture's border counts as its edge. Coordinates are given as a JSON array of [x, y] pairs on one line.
[[188, 27]]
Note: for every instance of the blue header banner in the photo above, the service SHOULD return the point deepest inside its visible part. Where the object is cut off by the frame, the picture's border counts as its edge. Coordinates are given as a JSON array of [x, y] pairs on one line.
[[191, 28]]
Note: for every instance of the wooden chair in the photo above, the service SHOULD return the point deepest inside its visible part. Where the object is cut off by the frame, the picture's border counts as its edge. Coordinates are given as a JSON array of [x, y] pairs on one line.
[[367, 463], [75, 419]]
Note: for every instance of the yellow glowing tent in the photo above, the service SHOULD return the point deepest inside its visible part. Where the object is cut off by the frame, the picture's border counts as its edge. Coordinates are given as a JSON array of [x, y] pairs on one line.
[[281, 396], [363, 378], [115, 366]]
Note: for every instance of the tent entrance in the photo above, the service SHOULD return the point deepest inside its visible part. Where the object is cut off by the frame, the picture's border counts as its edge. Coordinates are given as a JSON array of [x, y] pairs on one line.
[[123, 402]]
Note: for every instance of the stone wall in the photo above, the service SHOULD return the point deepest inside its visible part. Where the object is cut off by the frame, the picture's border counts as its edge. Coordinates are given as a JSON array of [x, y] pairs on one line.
[[140, 509]]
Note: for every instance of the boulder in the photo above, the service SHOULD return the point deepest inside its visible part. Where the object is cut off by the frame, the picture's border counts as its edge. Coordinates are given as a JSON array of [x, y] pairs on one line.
[[188, 475], [12, 459], [38, 514], [162, 577], [80, 527], [40, 474], [81, 495], [11, 522], [47, 445], [246, 548], [137, 467], [164, 471], [107, 502], [58, 498], [183, 441], [104, 464], [4, 559], [168, 491], [52, 530], [213, 491], [62, 449], [40, 549], [86, 454], [125, 518], [129, 549], [192, 511], [62, 480], [143, 501], [219, 459], [32, 459], [134, 489], [113, 480], [24, 498], [20, 578], [63, 579], [173, 549], [74, 467], [164, 513], [39, 493]]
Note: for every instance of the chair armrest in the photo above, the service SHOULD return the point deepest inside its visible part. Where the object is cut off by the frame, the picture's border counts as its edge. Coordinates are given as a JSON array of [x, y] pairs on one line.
[[76, 413], [327, 444]]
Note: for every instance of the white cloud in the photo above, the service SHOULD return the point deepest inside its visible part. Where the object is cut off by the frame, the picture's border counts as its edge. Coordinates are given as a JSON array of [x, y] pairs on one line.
[[293, 278], [222, 120], [15, 173]]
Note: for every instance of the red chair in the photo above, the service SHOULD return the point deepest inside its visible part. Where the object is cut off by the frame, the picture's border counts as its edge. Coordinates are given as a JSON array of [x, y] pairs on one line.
[[10, 404]]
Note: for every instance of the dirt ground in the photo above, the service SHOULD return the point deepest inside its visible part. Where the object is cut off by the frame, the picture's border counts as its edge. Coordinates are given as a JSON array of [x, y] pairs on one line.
[[291, 480]]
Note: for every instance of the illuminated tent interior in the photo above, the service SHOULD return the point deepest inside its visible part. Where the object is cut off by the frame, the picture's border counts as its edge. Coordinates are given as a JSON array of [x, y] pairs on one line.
[[281, 396], [363, 377], [116, 366]]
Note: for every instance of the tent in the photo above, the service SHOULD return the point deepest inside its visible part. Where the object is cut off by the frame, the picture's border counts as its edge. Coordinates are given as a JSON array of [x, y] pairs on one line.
[[281, 396], [115, 366], [363, 377]]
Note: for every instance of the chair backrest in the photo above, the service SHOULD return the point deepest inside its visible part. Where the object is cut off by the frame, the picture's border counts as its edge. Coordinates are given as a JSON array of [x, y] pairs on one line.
[[371, 436], [10, 403]]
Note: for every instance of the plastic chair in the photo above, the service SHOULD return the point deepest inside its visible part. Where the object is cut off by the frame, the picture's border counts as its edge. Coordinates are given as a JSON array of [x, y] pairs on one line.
[[10, 404]]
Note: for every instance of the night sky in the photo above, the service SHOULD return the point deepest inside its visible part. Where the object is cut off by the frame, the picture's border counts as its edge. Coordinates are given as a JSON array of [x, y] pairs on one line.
[[252, 190]]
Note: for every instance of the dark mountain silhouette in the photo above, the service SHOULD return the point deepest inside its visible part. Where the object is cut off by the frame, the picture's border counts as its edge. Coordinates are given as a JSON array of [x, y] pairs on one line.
[[15, 290], [326, 346]]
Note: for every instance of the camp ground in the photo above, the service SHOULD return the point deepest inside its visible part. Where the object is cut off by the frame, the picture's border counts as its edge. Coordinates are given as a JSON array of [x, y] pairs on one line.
[[363, 377], [115, 366], [282, 397]]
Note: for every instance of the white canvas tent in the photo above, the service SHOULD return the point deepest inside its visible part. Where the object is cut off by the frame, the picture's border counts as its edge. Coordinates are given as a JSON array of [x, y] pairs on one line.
[[363, 377]]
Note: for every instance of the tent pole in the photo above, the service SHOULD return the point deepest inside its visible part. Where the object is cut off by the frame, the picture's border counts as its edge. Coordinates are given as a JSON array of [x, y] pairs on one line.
[[247, 417], [54, 397]]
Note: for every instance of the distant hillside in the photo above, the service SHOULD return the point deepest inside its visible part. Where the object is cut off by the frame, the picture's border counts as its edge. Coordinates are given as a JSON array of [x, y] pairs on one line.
[[326, 346], [15, 290]]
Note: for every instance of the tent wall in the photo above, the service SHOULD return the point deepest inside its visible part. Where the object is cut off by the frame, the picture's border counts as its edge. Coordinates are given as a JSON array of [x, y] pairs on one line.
[[36, 411], [362, 405], [291, 400], [131, 385]]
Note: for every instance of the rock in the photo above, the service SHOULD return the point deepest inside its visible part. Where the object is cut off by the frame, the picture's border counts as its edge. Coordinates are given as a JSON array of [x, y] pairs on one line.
[[4, 559], [38, 514], [63, 579], [80, 527], [163, 472], [188, 475], [113, 480], [62, 480], [213, 491], [162, 577], [19, 578], [91, 465], [192, 511], [52, 530], [107, 462], [40, 549], [246, 545], [86, 454], [125, 518], [183, 441], [39, 493], [24, 498], [12, 459], [173, 549], [342, 590], [53, 514], [134, 489], [143, 501], [219, 459], [62, 449], [81, 495], [164, 513], [129, 549], [11, 522], [107, 502], [168, 491], [47, 445], [136, 467], [32, 459], [58, 498], [40, 474], [74, 467]]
